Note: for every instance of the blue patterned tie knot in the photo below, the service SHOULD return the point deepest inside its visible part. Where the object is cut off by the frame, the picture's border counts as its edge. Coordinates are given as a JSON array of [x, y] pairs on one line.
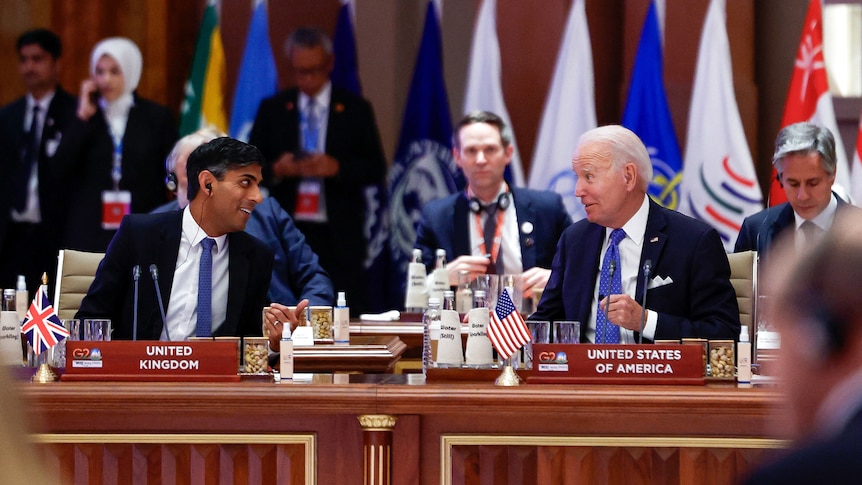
[[205, 277], [610, 283]]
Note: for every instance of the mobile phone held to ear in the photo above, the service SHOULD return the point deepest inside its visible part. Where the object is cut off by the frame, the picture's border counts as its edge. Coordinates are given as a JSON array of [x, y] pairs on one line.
[[94, 97]]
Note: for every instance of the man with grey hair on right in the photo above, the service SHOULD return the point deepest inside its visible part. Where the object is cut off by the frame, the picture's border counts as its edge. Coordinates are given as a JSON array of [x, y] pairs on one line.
[[629, 245], [805, 161]]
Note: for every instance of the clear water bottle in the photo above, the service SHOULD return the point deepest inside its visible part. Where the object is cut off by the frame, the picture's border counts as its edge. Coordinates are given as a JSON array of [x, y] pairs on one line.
[[431, 318]]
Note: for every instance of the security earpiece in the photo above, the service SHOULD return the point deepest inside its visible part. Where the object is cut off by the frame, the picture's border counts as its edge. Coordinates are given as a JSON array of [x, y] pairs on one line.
[[171, 182]]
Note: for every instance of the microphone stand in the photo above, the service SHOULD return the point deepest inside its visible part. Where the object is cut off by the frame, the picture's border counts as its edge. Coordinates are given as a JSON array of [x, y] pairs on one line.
[[154, 271], [647, 268], [136, 274]]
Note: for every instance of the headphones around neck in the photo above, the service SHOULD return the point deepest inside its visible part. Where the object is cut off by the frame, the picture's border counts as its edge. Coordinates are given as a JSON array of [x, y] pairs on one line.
[[503, 201]]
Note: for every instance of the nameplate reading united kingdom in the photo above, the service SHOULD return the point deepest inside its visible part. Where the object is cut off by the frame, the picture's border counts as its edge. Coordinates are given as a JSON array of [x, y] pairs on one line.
[[617, 364], [151, 361]]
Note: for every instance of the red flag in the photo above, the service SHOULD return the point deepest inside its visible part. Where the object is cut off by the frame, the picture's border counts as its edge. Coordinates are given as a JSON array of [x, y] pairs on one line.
[[808, 98], [507, 329], [856, 168], [41, 325]]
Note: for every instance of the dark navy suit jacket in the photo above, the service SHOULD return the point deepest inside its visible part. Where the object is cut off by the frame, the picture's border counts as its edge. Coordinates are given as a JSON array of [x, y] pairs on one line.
[[296, 273], [445, 224], [352, 139], [146, 239], [760, 229], [700, 302]]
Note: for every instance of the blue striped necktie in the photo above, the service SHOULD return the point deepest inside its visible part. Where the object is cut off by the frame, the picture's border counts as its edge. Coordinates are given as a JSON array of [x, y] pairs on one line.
[[205, 289], [607, 332]]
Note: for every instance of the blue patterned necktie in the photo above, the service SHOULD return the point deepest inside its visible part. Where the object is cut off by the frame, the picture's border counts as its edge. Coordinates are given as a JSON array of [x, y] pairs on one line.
[[607, 332], [312, 127], [205, 279]]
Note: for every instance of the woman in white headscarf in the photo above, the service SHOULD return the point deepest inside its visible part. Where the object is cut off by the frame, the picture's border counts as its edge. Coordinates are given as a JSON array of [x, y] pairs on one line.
[[120, 152]]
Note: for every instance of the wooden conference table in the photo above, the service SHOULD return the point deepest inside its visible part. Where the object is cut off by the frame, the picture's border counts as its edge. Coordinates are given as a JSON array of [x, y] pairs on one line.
[[355, 429]]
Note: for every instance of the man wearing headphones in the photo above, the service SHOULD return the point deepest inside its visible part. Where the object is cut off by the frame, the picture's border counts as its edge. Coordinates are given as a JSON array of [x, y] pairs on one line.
[[816, 309], [214, 276], [491, 227], [805, 160]]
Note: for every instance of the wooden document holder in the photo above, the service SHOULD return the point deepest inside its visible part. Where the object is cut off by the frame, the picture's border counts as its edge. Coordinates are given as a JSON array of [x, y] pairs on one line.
[[617, 364], [151, 361]]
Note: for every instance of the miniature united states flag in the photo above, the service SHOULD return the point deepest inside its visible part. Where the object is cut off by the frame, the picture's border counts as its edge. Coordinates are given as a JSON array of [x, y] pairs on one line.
[[507, 329]]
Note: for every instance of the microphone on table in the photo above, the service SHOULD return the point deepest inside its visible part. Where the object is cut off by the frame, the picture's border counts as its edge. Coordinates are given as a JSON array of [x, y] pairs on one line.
[[136, 275], [154, 271], [647, 269]]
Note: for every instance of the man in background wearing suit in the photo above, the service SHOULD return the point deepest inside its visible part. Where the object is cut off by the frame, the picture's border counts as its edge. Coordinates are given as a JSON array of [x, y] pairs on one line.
[[599, 271], [805, 160], [214, 276], [32, 208], [322, 150], [816, 309], [521, 240]]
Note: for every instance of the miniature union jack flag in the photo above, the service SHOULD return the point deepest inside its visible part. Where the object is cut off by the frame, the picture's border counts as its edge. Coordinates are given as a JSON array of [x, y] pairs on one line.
[[41, 325], [507, 329]]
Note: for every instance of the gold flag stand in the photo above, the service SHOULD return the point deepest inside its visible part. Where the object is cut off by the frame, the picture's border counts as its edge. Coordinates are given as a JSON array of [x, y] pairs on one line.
[[44, 373], [509, 377]]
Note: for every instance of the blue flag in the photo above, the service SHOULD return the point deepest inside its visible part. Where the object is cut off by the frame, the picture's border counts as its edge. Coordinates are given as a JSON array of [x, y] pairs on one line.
[[647, 114], [345, 75], [345, 72], [258, 77], [424, 169]]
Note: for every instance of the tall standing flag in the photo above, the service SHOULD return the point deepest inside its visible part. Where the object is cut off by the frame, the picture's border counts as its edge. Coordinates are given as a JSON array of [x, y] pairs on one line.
[[856, 169], [424, 167], [507, 329], [484, 90], [808, 98], [345, 72], [203, 105], [570, 110], [42, 326], [647, 114], [719, 185], [258, 77], [345, 75]]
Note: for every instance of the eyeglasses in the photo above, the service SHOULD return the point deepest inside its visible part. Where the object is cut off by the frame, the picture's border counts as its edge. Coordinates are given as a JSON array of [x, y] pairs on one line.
[[309, 71]]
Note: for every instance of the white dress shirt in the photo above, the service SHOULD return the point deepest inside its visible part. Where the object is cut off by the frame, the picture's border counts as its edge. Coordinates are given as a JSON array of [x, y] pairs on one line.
[[182, 311], [630, 248]]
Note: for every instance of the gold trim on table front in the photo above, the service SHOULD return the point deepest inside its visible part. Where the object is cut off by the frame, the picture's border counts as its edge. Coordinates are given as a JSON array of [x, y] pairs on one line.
[[447, 441], [309, 440]]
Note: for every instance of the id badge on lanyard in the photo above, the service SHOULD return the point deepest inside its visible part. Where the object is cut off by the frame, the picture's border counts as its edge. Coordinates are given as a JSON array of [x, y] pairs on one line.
[[116, 203]]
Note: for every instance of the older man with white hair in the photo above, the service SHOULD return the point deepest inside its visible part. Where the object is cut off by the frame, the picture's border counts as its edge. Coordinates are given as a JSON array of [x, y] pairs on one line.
[[629, 245]]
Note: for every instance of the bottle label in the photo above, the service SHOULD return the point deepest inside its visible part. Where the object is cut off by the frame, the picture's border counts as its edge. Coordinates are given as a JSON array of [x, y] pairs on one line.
[[449, 351], [286, 362], [479, 352]]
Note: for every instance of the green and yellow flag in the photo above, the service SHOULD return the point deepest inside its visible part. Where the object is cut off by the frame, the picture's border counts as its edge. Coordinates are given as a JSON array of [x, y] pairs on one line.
[[203, 105]]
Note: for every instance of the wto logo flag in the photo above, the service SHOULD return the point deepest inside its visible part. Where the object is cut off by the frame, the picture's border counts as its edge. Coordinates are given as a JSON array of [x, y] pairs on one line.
[[424, 168], [647, 115]]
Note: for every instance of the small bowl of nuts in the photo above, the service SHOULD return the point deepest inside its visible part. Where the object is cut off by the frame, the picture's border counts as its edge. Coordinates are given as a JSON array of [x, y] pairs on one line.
[[255, 353], [321, 322], [722, 363]]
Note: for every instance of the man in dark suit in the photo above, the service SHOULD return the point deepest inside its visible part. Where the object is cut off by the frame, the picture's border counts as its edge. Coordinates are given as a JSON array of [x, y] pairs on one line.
[[322, 150], [296, 274], [32, 205], [805, 160], [599, 274], [816, 310], [224, 177], [524, 239]]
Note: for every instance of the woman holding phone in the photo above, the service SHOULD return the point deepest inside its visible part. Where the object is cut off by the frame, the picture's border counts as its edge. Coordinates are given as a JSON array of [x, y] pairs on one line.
[[121, 142]]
